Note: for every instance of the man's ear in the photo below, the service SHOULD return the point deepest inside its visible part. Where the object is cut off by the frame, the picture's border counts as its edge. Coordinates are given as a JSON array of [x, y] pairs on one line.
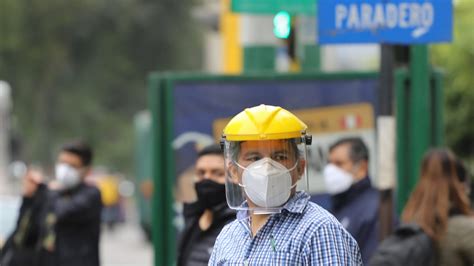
[[301, 166], [233, 171], [86, 171], [363, 170]]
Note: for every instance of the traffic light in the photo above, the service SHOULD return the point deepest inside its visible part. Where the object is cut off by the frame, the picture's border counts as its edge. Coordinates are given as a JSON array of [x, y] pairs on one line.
[[284, 28], [282, 25]]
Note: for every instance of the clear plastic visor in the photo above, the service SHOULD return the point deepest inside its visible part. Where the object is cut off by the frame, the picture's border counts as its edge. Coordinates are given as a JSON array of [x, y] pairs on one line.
[[263, 176]]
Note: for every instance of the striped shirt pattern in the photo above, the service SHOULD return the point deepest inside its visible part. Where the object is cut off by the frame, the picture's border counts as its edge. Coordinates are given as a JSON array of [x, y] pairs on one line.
[[302, 234]]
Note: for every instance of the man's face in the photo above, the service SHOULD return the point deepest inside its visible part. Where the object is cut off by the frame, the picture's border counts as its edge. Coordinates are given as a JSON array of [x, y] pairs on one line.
[[72, 160], [211, 167], [277, 150], [339, 156]]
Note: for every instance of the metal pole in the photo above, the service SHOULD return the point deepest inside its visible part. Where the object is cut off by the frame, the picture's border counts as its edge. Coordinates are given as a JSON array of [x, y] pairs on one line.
[[385, 96], [419, 105], [5, 105], [157, 205], [386, 80]]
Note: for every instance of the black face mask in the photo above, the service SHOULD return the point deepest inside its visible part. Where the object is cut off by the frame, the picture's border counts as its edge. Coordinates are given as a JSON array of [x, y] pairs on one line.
[[210, 193]]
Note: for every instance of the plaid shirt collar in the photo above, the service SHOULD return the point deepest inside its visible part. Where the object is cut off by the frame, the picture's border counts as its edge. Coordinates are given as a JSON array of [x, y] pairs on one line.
[[295, 204]]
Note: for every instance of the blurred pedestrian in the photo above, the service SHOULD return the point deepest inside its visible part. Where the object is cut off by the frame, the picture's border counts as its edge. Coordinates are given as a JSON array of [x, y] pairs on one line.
[[61, 220], [206, 217], [265, 159], [112, 213], [439, 204], [354, 201], [19, 249]]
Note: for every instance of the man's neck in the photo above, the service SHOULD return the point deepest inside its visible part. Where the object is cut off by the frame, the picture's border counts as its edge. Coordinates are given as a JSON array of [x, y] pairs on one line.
[[257, 222], [205, 221]]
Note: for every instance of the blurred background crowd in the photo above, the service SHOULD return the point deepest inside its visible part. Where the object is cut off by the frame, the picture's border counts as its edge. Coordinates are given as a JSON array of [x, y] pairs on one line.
[[79, 68]]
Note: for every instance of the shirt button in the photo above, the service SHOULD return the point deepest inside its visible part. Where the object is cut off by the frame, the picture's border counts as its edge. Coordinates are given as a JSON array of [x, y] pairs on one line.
[[246, 262]]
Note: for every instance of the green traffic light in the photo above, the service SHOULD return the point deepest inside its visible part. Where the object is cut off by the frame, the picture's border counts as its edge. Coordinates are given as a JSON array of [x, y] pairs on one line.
[[282, 25]]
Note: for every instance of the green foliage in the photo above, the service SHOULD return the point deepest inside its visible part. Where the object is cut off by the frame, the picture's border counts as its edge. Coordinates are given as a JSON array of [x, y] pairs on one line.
[[78, 68], [457, 59]]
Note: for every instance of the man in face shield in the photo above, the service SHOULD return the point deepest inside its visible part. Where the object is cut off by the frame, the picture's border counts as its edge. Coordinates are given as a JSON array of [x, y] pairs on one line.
[[265, 159]]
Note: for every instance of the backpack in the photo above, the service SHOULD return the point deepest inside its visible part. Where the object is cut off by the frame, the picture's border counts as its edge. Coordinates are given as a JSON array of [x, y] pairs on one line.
[[408, 245]]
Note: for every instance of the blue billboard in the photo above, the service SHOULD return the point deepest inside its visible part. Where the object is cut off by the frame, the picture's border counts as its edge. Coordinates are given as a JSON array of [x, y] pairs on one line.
[[385, 21], [198, 104]]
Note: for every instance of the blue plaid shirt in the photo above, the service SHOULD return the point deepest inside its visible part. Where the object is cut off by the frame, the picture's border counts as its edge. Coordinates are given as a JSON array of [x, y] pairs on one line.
[[302, 234]]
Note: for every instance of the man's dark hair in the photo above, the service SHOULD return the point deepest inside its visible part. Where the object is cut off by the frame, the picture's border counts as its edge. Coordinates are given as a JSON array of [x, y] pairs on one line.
[[81, 149], [213, 149], [357, 149]]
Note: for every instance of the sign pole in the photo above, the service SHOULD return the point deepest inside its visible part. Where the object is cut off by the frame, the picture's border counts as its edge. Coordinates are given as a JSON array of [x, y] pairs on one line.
[[385, 97], [419, 106]]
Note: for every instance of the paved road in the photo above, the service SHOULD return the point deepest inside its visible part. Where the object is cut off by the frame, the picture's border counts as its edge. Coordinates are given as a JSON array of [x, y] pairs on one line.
[[125, 246]]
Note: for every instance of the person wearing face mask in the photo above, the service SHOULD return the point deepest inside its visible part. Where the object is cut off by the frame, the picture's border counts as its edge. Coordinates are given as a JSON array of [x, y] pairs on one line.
[[265, 160], [355, 203], [61, 220], [205, 217]]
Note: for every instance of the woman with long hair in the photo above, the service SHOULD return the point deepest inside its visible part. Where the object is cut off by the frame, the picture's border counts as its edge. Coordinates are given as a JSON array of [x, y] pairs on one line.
[[440, 205]]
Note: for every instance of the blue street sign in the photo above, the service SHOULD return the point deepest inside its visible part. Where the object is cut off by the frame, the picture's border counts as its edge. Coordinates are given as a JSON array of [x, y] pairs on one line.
[[385, 21]]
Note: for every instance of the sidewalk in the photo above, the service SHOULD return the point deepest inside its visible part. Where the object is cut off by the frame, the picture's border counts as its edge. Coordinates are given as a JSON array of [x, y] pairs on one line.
[[126, 245]]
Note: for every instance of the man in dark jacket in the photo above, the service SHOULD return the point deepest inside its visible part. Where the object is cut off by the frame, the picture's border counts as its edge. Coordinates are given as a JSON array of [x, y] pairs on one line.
[[60, 222], [205, 218], [354, 201]]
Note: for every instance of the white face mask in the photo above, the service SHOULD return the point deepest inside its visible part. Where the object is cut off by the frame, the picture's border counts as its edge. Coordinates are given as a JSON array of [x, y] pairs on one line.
[[336, 179], [267, 183], [67, 175]]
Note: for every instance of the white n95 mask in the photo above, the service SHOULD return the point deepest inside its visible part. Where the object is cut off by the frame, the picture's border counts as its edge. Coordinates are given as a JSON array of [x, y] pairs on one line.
[[67, 175], [336, 179], [267, 183]]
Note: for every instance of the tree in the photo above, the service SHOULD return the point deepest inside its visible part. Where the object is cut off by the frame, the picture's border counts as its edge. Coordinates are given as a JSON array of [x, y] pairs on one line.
[[78, 68], [457, 59]]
